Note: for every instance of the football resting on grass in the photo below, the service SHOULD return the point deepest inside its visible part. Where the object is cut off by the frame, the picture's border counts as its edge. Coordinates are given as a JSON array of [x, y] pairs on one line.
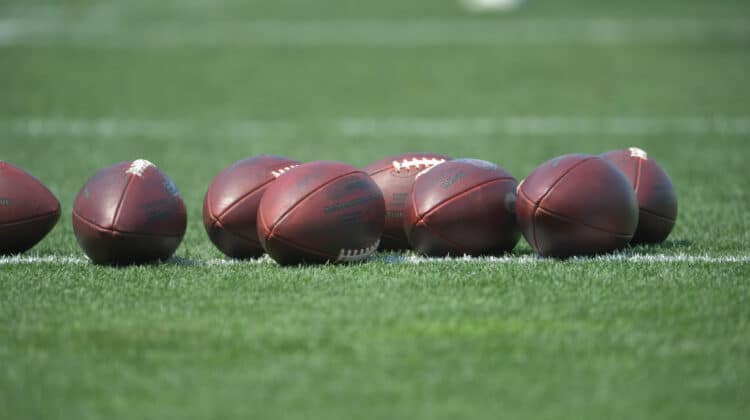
[[463, 207], [657, 200], [321, 212], [230, 206], [576, 205], [129, 213], [28, 210], [395, 176]]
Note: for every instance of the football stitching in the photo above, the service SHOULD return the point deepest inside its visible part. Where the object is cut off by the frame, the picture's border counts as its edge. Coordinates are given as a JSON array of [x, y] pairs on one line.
[[352, 255], [138, 167], [416, 163], [281, 171]]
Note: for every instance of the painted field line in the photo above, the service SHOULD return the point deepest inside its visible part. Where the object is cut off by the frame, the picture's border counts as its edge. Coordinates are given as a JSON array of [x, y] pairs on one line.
[[112, 31], [414, 259], [539, 125]]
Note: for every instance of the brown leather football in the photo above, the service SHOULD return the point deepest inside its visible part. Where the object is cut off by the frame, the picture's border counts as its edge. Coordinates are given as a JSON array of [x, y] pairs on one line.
[[657, 200], [576, 205], [321, 212], [463, 207], [129, 213], [230, 207], [395, 176], [28, 210]]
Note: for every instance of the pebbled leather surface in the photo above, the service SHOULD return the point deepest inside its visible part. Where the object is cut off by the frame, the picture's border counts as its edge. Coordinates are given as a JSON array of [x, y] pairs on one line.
[[319, 209], [28, 210], [230, 207], [464, 206], [122, 218], [657, 200], [396, 182], [576, 205]]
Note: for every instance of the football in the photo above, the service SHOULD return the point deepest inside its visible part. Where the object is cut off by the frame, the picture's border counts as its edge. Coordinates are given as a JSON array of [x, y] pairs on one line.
[[657, 200], [28, 210], [463, 207], [395, 176], [230, 207], [129, 213], [576, 205], [321, 212]]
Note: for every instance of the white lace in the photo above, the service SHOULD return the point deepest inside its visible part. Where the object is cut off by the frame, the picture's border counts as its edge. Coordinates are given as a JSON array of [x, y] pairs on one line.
[[416, 163], [281, 171], [138, 167], [638, 153], [351, 255]]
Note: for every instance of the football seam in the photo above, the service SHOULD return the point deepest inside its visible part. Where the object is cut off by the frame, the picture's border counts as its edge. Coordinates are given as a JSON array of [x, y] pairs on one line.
[[236, 202], [120, 201], [651, 213], [460, 194], [30, 219], [571, 220], [538, 204], [299, 247], [636, 183], [442, 237], [534, 245], [272, 229], [122, 232], [219, 224]]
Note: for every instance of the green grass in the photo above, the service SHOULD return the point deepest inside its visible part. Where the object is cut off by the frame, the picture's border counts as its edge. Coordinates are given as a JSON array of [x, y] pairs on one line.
[[544, 340]]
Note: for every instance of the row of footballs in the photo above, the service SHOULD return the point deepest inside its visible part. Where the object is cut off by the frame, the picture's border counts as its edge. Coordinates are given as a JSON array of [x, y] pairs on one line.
[[326, 211]]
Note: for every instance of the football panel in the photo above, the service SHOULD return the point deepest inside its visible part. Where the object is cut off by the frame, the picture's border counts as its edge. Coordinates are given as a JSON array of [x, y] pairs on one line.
[[23, 197], [19, 237], [395, 176], [397, 193], [559, 237], [347, 214], [107, 247], [243, 178], [652, 228], [100, 197], [655, 191], [595, 193], [151, 205], [285, 252], [451, 178], [232, 245], [525, 210], [481, 220], [427, 241], [626, 162], [240, 219], [287, 191], [538, 183]]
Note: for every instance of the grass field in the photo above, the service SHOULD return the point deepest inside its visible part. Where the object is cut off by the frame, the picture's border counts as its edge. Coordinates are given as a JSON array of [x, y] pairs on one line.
[[654, 332]]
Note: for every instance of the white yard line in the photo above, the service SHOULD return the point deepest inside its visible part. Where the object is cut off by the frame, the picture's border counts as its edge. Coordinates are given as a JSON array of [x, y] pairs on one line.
[[414, 259], [385, 127], [110, 31]]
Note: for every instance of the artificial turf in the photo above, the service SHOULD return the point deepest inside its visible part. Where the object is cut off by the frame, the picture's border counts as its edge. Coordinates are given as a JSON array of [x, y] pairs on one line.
[[82, 87]]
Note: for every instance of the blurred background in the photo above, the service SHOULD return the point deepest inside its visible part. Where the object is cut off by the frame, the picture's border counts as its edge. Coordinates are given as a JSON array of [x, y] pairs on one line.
[[195, 85]]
